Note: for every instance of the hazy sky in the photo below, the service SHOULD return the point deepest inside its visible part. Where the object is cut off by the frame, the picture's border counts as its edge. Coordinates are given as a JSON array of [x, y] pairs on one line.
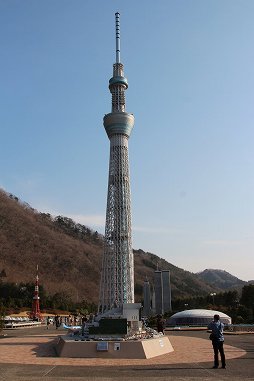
[[190, 67]]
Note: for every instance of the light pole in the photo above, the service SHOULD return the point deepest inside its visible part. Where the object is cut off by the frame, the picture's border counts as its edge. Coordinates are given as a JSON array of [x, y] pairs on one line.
[[213, 295]]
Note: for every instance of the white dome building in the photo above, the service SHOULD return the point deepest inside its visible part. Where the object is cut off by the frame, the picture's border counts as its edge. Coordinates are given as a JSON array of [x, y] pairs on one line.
[[197, 317]]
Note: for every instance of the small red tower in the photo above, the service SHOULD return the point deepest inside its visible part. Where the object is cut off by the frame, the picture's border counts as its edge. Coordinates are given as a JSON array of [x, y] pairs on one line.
[[36, 313]]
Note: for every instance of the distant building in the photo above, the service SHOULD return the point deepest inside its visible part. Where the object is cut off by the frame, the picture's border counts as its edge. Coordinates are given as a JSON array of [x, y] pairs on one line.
[[147, 299], [162, 292], [197, 317], [158, 307], [166, 291]]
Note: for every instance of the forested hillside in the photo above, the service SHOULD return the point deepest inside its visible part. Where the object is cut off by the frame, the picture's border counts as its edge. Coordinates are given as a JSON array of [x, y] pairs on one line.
[[69, 255], [221, 279]]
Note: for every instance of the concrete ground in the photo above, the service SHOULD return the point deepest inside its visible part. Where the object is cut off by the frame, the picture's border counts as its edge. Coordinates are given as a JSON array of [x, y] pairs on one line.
[[28, 354]]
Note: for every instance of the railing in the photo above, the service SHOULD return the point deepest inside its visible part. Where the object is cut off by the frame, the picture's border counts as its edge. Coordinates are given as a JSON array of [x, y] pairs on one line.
[[240, 328], [22, 324]]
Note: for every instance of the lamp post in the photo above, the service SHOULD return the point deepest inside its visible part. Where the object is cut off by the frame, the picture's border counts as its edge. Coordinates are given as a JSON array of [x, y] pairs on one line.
[[213, 295]]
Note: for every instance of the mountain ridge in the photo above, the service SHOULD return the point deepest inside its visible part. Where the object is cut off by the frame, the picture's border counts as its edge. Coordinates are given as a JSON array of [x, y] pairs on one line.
[[221, 279]]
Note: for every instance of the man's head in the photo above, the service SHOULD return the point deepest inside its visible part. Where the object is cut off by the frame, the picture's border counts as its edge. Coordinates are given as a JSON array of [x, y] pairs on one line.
[[216, 317]]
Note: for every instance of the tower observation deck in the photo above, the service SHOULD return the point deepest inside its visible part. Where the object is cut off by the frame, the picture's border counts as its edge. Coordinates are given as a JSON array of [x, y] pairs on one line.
[[117, 275]]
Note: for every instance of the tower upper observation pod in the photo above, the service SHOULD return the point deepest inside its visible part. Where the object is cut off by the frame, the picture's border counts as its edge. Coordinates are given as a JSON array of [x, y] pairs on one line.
[[117, 276], [117, 85]]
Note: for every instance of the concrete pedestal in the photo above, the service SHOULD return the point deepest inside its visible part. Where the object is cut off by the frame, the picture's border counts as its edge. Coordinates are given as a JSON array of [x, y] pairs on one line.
[[136, 349]]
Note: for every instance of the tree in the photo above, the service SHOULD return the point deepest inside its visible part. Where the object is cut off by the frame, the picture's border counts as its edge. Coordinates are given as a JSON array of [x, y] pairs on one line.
[[245, 313], [247, 298], [2, 315], [3, 274]]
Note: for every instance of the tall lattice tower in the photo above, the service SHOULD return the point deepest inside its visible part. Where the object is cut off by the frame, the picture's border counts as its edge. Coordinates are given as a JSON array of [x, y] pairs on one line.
[[117, 277], [36, 313]]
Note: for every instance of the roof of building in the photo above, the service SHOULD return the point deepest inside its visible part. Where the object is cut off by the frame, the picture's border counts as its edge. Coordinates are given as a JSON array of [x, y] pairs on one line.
[[199, 313]]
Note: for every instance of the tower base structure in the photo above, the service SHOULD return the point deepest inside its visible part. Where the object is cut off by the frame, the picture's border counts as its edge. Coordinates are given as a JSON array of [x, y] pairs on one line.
[[115, 349], [117, 334]]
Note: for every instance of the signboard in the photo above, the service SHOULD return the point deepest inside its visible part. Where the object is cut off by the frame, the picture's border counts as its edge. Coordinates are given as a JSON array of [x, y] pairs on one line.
[[117, 346], [102, 346], [161, 343]]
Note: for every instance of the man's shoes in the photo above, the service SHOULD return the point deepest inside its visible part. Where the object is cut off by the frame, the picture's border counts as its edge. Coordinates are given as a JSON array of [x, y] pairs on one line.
[[223, 367], [215, 367]]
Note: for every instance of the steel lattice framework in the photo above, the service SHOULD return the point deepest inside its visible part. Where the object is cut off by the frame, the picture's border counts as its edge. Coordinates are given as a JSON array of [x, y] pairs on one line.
[[117, 276], [35, 314]]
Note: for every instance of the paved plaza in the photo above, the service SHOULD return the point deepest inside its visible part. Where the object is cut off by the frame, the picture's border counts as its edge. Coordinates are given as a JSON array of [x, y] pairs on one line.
[[28, 354]]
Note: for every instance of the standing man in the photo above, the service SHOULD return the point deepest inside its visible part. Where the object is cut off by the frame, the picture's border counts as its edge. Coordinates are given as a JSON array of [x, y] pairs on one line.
[[48, 322], [160, 324], [217, 340]]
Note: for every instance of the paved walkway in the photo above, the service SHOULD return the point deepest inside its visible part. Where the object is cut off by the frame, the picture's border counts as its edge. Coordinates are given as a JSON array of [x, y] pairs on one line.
[[29, 355], [40, 350]]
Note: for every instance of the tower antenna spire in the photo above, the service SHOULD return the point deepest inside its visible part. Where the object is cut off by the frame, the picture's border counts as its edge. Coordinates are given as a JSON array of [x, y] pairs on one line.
[[117, 15]]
